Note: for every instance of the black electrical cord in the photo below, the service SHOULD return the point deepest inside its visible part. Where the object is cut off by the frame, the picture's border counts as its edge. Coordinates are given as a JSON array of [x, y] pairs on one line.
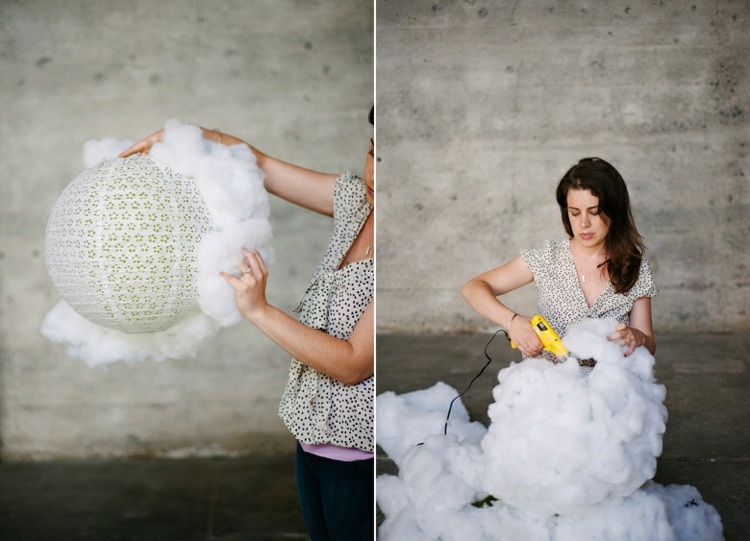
[[489, 360]]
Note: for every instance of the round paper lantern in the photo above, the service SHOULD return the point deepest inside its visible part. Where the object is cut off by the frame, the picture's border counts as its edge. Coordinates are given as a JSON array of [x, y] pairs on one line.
[[121, 244]]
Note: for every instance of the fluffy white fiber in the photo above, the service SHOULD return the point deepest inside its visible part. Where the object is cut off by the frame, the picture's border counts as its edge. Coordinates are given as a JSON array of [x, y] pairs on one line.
[[231, 187], [611, 424], [100, 346], [566, 457], [403, 421]]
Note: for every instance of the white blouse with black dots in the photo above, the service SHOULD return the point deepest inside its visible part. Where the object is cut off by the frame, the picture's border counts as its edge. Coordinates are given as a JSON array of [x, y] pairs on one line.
[[316, 408], [560, 298]]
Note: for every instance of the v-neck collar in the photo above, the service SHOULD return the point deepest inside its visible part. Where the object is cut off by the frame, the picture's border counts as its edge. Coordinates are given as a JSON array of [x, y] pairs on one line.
[[579, 290]]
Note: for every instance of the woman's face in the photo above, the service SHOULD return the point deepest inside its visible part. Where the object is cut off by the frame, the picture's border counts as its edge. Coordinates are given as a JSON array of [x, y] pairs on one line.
[[589, 226], [369, 175]]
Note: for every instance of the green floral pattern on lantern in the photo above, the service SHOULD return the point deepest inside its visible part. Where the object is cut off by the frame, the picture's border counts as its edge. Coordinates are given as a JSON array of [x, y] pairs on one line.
[[121, 244]]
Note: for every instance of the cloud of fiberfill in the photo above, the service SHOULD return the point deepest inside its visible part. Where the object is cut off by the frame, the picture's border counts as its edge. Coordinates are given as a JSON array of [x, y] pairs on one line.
[[234, 204], [567, 456]]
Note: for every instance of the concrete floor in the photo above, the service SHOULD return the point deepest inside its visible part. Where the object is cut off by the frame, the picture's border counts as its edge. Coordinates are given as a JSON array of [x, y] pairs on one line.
[[253, 498], [707, 442]]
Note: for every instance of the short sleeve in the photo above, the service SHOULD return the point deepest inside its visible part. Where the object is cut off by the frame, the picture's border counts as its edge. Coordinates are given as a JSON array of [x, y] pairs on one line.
[[538, 259], [644, 286], [348, 193]]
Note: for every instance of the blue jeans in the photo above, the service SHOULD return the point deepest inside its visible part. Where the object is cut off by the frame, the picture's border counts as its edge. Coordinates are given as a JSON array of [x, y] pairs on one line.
[[336, 497]]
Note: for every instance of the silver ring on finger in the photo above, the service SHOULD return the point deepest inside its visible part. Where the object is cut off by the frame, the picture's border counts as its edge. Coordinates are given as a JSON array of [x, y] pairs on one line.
[[247, 270]]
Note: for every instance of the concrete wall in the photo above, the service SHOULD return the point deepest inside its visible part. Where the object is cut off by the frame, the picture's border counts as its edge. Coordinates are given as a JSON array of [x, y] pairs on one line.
[[293, 77], [483, 105]]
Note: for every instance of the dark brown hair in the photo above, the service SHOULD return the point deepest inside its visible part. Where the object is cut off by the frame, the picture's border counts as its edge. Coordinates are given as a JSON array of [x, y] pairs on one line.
[[624, 244]]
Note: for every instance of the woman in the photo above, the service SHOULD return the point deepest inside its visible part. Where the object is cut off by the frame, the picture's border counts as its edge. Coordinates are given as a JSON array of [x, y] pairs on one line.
[[599, 271], [328, 401]]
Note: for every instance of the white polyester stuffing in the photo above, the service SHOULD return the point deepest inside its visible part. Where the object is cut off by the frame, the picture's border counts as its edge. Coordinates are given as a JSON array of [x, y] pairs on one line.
[[231, 184], [565, 454], [559, 442]]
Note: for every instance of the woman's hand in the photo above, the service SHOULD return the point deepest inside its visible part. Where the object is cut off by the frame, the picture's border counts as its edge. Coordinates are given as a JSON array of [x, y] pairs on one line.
[[144, 145], [304, 187], [251, 286], [348, 361], [628, 337], [524, 337]]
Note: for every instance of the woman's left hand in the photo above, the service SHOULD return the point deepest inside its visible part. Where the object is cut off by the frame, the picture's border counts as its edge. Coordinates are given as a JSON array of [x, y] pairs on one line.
[[627, 336], [144, 145], [251, 286]]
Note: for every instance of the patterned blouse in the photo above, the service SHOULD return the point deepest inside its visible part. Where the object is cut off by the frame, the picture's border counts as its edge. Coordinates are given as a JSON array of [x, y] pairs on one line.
[[316, 408], [560, 298]]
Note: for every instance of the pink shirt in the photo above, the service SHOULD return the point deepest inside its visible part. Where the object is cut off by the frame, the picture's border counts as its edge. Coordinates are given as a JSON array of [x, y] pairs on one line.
[[334, 452]]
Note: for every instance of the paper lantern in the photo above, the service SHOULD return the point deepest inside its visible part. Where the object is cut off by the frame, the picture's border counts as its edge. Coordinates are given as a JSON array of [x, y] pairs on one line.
[[121, 244]]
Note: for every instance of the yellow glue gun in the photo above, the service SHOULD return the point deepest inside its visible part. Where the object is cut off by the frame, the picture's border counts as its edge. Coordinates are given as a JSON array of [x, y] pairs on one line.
[[547, 336]]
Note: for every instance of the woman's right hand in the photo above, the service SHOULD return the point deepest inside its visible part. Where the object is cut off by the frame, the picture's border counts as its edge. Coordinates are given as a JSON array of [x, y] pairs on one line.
[[144, 145], [524, 337]]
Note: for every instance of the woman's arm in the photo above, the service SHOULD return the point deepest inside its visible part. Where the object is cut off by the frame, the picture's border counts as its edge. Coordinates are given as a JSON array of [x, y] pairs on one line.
[[641, 329], [304, 187], [481, 293], [348, 361]]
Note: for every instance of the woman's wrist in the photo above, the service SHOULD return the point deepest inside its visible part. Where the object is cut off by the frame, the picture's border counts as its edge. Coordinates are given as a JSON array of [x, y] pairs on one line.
[[510, 322], [640, 338], [214, 135], [257, 315]]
